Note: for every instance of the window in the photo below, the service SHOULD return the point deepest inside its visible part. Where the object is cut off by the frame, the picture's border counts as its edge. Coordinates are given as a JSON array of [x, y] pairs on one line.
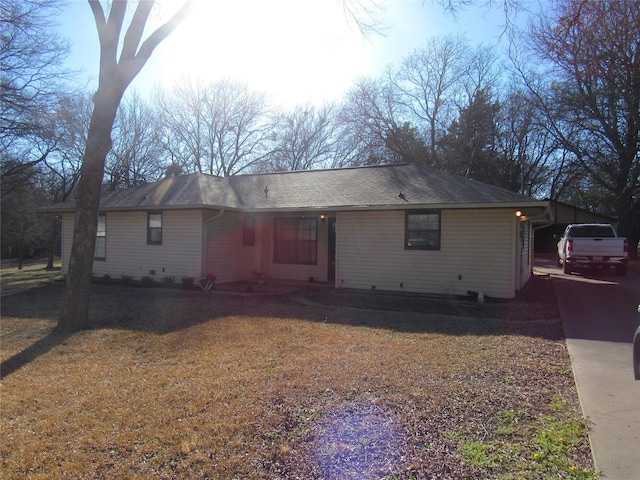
[[100, 252], [295, 241], [154, 228], [422, 230], [248, 231], [601, 231]]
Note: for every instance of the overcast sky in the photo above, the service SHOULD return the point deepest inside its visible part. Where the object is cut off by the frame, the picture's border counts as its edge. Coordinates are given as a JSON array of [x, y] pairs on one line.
[[295, 51]]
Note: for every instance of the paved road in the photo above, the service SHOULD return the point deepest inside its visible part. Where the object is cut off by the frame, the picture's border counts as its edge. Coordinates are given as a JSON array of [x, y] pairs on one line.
[[599, 315]]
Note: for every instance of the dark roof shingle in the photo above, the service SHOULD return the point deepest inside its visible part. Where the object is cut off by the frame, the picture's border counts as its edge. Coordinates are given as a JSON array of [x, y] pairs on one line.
[[358, 187]]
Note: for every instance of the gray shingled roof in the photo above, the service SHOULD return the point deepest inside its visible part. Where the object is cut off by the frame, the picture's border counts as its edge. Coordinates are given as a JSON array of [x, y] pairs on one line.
[[359, 187]]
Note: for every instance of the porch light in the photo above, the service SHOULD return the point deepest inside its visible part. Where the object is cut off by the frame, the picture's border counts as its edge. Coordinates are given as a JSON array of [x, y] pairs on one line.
[[518, 213], [323, 217]]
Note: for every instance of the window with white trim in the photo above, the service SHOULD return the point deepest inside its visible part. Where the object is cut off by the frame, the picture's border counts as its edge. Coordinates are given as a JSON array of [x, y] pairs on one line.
[[422, 230], [154, 228], [295, 241], [100, 251]]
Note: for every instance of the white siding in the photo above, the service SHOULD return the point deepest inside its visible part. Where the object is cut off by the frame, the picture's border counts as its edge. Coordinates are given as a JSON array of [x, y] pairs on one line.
[[481, 250], [128, 252], [225, 256], [477, 253]]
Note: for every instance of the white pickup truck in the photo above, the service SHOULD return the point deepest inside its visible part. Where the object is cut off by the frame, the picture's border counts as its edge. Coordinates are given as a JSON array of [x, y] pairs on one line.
[[592, 245]]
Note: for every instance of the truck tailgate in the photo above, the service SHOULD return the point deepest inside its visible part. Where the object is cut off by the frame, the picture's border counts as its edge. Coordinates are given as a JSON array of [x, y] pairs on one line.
[[602, 247]]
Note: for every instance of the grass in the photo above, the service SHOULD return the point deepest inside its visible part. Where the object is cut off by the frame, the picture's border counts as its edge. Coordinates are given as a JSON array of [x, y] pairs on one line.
[[184, 384], [32, 274]]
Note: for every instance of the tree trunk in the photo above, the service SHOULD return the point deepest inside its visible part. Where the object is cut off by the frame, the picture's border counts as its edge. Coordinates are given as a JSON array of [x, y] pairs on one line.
[[115, 77], [75, 311], [20, 253]]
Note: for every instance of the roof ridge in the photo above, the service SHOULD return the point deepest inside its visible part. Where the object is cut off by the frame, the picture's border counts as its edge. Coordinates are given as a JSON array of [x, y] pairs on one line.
[[352, 167]]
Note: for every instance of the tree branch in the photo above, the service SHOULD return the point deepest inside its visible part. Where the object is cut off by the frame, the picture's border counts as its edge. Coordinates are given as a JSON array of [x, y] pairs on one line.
[[109, 34], [149, 45], [135, 30]]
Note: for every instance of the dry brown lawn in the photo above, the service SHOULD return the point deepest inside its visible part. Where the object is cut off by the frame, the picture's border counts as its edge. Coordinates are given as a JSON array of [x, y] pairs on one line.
[[176, 384]]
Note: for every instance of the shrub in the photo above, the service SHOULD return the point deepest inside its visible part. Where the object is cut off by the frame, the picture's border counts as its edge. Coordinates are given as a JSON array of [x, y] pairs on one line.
[[106, 278], [125, 279], [188, 283], [146, 281], [169, 280]]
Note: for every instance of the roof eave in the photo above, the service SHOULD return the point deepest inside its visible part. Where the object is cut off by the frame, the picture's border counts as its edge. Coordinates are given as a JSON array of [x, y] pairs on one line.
[[408, 206], [395, 206]]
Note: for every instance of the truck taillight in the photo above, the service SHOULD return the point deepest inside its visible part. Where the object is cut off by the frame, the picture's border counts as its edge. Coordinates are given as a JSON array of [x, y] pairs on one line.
[[570, 245]]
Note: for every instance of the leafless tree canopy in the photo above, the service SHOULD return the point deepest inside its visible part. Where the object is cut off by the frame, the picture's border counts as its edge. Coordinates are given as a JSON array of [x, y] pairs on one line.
[[587, 86], [220, 128], [31, 57], [31, 79], [304, 139]]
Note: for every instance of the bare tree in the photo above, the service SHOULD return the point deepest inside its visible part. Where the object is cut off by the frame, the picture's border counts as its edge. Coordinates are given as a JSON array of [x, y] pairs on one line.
[[221, 128], [31, 73], [525, 141], [365, 14], [31, 79], [429, 83], [70, 119], [61, 170], [19, 165], [182, 114], [58, 150], [119, 65], [510, 8], [305, 139], [481, 73], [587, 84], [373, 129], [137, 155], [469, 148], [24, 232]]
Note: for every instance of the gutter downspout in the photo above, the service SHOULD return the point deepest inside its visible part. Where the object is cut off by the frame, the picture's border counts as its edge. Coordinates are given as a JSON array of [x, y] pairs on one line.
[[204, 240]]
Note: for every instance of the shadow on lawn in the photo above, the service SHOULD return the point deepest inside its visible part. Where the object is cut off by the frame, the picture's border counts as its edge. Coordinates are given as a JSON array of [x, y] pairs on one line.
[[41, 302], [160, 311], [32, 352]]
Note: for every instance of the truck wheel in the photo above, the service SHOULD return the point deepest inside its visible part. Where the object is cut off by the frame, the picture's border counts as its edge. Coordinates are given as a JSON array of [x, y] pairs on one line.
[[621, 270], [566, 268]]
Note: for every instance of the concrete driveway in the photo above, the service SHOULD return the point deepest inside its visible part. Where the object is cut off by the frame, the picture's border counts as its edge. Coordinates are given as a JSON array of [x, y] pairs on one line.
[[599, 315]]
